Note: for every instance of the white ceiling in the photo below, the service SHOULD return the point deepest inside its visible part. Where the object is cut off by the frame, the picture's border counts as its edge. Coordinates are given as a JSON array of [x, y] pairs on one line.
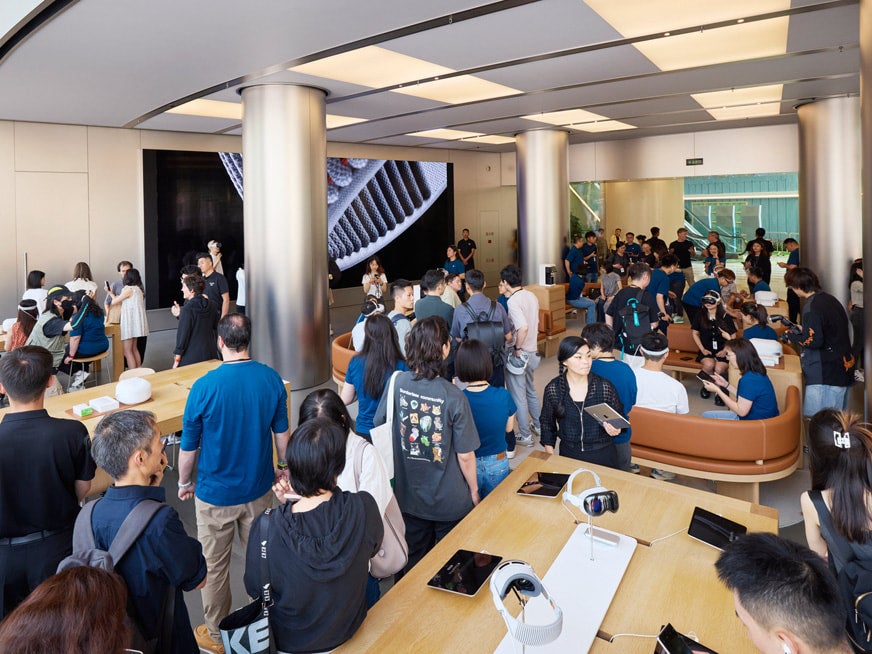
[[124, 62]]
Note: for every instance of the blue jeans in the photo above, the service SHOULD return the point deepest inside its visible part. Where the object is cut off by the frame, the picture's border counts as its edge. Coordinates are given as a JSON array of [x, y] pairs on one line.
[[586, 304], [720, 415], [490, 471], [821, 396], [591, 277], [523, 392]]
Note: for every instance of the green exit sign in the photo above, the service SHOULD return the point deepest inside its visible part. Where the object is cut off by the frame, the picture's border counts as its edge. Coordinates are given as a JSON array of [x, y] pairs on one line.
[[694, 162]]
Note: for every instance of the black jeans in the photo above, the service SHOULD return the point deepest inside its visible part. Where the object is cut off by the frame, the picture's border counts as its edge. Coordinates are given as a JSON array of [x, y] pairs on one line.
[[858, 324], [422, 535], [604, 456], [24, 567]]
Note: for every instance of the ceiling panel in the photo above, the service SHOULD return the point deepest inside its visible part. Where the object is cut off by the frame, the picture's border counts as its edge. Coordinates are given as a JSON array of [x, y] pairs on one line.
[[182, 123], [821, 29]]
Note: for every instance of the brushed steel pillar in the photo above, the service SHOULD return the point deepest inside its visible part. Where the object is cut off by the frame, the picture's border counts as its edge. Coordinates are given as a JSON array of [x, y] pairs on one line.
[[284, 147], [866, 179], [543, 199], [830, 213]]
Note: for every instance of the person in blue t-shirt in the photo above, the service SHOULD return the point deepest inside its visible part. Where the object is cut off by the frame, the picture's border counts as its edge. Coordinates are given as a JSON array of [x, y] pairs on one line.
[[756, 281], [755, 395], [587, 256], [792, 247], [369, 372], [713, 258], [575, 295], [756, 322], [455, 266], [692, 299], [634, 250], [660, 288], [87, 339], [601, 340], [573, 255], [493, 412]]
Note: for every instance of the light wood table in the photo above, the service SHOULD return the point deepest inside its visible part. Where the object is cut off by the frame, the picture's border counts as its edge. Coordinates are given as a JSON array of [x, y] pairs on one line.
[[169, 394], [671, 581]]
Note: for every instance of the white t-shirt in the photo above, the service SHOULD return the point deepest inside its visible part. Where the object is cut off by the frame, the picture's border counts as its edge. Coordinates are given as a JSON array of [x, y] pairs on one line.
[[240, 290], [524, 312], [658, 391], [82, 285], [374, 289]]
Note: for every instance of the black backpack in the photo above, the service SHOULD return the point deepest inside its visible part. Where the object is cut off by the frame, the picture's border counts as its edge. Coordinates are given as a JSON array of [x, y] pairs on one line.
[[487, 330], [636, 320], [86, 553], [854, 579]]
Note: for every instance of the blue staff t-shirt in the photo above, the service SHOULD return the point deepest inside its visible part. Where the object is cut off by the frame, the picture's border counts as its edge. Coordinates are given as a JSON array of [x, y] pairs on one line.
[[231, 415], [758, 388], [760, 331], [659, 284], [491, 409], [694, 294]]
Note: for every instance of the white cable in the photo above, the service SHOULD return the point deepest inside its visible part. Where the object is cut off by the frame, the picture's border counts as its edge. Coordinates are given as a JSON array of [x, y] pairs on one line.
[[656, 540], [612, 639]]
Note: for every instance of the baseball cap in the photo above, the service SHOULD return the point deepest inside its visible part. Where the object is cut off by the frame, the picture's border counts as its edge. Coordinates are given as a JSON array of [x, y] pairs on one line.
[[58, 291]]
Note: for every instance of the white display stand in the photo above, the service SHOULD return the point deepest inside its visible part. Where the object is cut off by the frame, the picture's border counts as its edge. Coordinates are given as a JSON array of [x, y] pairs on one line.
[[582, 588]]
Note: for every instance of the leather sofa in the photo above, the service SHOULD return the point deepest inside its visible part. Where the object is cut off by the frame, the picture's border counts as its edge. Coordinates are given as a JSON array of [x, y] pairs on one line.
[[735, 454], [341, 351]]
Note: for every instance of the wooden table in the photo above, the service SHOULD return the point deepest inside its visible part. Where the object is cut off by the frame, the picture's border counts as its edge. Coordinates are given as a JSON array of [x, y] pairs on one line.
[[169, 394], [670, 581]]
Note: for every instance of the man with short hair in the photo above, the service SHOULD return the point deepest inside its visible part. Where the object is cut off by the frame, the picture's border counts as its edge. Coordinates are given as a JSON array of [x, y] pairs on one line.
[[602, 245], [655, 241], [715, 239], [118, 285], [466, 249], [639, 278], [634, 250], [479, 304], [785, 595], [760, 237], [403, 314], [128, 445], [217, 288], [570, 261], [587, 257], [453, 286], [659, 288], [234, 415], [792, 247], [827, 359], [756, 281], [45, 471], [575, 294], [601, 340], [433, 282], [684, 250], [615, 240], [524, 315]]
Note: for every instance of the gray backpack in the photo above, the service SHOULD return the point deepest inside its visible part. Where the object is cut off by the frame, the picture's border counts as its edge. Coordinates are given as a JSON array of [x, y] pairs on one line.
[[86, 553]]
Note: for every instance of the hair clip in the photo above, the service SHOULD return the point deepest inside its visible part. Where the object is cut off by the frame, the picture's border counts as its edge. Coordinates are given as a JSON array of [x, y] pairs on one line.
[[842, 440]]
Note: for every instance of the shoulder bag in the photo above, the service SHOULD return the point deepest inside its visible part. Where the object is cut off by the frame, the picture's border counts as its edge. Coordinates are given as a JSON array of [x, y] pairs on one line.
[[383, 436]]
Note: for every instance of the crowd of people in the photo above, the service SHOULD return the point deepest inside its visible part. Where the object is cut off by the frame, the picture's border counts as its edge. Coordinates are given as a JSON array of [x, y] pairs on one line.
[[451, 375]]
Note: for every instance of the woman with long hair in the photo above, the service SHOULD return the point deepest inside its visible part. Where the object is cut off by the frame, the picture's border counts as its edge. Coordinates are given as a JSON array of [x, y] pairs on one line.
[[758, 258], [318, 545], [375, 282], [35, 290], [493, 411], [83, 280], [81, 610], [711, 330], [134, 322], [755, 320], [713, 258], [87, 338], [364, 469], [368, 372], [434, 441], [28, 314], [837, 508], [563, 415], [755, 395]]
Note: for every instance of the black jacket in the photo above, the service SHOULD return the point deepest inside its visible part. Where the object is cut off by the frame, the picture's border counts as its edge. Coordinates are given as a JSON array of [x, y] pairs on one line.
[[197, 334], [318, 565], [577, 426], [826, 346]]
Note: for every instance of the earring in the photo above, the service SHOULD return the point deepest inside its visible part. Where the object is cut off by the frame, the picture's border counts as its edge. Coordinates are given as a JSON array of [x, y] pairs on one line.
[[786, 648]]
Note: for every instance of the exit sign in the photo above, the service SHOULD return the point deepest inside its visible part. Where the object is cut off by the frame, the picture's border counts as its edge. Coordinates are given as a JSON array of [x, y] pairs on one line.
[[694, 162]]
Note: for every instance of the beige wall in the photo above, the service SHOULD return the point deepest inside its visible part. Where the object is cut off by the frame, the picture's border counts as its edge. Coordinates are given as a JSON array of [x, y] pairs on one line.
[[636, 206], [70, 193]]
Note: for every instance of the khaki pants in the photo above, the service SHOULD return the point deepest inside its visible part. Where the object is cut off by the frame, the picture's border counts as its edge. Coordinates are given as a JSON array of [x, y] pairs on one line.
[[216, 526], [688, 276]]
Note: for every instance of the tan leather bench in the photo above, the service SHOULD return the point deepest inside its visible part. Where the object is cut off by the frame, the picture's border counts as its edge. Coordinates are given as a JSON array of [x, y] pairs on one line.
[[737, 455]]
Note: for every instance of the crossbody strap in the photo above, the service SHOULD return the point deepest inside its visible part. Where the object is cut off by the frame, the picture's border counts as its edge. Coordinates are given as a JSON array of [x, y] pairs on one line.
[[836, 542], [265, 584]]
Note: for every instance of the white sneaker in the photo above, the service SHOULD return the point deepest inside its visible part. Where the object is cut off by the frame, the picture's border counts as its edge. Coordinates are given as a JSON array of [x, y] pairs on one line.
[[535, 430], [78, 379], [526, 441], [662, 474], [510, 455], [859, 376]]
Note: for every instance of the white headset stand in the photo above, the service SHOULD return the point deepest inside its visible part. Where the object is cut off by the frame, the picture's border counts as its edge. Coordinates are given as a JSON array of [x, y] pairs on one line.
[[582, 587]]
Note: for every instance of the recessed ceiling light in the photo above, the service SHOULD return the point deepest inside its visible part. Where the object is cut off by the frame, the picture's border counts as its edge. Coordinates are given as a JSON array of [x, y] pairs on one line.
[[492, 139], [750, 102], [567, 117], [457, 90], [741, 20], [445, 134], [372, 66], [209, 109], [334, 121], [603, 126], [733, 43]]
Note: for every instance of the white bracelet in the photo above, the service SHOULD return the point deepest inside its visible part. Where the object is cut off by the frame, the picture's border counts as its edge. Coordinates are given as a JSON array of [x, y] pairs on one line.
[[184, 486]]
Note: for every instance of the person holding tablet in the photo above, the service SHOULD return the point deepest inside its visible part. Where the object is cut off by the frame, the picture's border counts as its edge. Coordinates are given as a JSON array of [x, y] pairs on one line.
[[755, 395], [563, 415]]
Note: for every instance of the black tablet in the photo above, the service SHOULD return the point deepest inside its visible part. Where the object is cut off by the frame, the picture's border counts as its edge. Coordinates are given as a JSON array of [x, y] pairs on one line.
[[713, 529], [465, 572], [669, 641], [544, 484]]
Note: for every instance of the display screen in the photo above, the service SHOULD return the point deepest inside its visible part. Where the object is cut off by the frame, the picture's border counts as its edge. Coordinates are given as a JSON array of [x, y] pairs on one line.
[[544, 484], [465, 572], [713, 529]]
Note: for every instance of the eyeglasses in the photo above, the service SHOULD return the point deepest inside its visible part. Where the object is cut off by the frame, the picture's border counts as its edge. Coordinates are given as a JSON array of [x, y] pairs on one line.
[[164, 441]]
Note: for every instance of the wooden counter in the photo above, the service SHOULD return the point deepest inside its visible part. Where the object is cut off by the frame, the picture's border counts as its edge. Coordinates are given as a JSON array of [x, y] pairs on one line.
[[672, 581]]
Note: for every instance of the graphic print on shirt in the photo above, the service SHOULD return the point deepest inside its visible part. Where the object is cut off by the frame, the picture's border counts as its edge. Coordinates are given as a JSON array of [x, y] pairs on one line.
[[421, 426]]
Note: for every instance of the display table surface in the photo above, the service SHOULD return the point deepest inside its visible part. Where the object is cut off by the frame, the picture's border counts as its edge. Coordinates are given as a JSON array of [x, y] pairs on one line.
[[169, 393], [672, 580]]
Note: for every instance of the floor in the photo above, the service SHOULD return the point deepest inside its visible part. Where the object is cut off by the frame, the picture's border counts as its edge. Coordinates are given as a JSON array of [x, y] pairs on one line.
[[782, 495]]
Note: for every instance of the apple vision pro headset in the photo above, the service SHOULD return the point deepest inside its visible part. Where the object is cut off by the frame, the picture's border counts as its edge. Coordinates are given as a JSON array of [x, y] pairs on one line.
[[518, 576], [594, 501]]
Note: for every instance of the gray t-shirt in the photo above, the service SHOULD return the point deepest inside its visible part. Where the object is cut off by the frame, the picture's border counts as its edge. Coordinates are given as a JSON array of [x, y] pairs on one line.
[[403, 326], [432, 424]]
